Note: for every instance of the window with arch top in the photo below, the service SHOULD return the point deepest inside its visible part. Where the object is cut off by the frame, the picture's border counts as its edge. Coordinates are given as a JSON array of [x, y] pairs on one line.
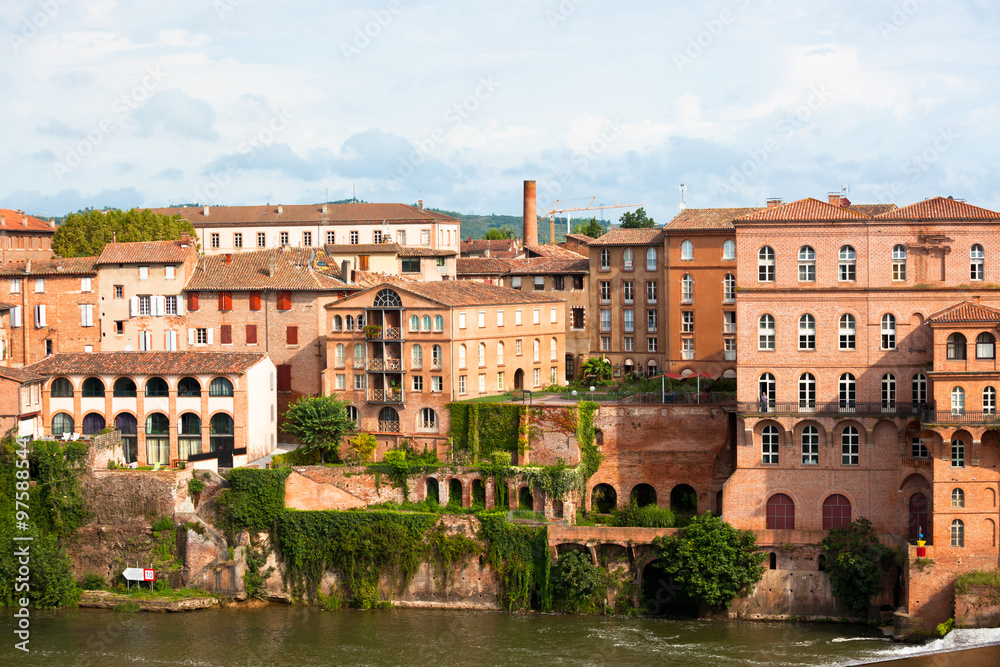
[[61, 388], [687, 250], [780, 512], [899, 262], [847, 266], [956, 346], [188, 386], [765, 265], [651, 259], [807, 332], [124, 388], [156, 388], [387, 298], [807, 264], [977, 259], [957, 498], [729, 249], [888, 331], [769, 441], [729, 288], [807, 391], [765, 332], [989, 400], [848, 329], [220, 387], [92, 388], [958, 401], [986, 346], [957, 533]]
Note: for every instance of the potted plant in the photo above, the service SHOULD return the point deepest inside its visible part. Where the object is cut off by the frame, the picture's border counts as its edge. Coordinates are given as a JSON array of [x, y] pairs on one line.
[[372, 330]]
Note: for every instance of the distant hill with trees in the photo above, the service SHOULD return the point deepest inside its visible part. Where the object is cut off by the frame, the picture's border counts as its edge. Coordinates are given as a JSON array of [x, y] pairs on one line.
[[475, 226]]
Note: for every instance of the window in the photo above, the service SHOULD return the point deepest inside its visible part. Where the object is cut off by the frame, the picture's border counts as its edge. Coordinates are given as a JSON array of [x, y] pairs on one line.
[[956, 346], [687, 250], [414, 323], [354, 238], [225, 301], [15, 285], [536, 377], [482, 319], [628, 291], [559, 283], [401, 236], [958, 401], [482, 354], [499, 318], [377, 236], [807, 391], [728, 249], [331, 238], [888, 331], [553, 349], [848, 331], [976, 261], [687, 288], [957, 498], [553, 316], [836, 512], [461, 356], [687, 321], [652, 344], [888, 392], [86, 315], [989, 400], [850, 451], [145, 341], [605, 291], [605, 259], [765, 332], [157, 388], [765, 265], [428, 420], [517, 317], [238, 240], [62, 423], [807, 332], [651, 320], [985, 346], [766, 386], [769, 444], [461, 384], [85, 285], [651, 291], [536, 351], [438, 323], [605, 319], [807, 264], [482, 383], [261, 240], [577, 282], [341, 382], [539, 283], [898, 262], [687, 348], [729, 321], [192, 299], [918, 389], [578, 321], [188, 386], [957, 454], [500, 350], [285, 377], [291, 335], [198, 336], [359, 382], [436, 356], [918, 449], [847, 391], [810, 445], [628, 343], [418, 383], [92, 388], [425, 237], [651, 259], [61, 388], [215, 240], [957, 533], [410, 264], [226, 334], [171, 305], [143, 273], [251, 334], [307, 239], [284, 300], [426, 322], [729, 288], [780, 512], [848, 263], [142, 305], [500, 385], [437, 383], [169, 272], [119, 292]]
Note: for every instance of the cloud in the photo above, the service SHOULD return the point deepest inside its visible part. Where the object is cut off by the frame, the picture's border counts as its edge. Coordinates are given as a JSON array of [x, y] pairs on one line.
[[171, 174], [67, 201], [176, 112], [58, 129]]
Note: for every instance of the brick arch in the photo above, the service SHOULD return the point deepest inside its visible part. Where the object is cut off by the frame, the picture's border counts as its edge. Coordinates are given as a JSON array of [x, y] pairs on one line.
[[207, 385], [824, 434], [758, 429], [991, 529], [834, 491], [887, 430], [838, 429], [916, 481]]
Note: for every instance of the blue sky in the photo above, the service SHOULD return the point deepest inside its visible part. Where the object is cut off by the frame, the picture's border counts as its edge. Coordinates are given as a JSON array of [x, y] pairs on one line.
[[456, 103]]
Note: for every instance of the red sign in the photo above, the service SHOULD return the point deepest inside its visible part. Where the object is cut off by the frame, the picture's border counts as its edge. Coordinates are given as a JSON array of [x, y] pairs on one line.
[[149, 575]]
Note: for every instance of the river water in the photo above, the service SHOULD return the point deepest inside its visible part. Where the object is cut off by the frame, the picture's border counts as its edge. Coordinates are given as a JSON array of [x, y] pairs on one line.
[[297, 635]]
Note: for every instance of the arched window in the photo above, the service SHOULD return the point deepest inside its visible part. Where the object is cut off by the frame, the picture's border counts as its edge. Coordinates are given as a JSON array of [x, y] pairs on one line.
[[765, 265], [847, 392], [359, 355], [918, 387], [414, 323], [807, 264], [989, 401], [780, 512], [157, 438], [765, 332], [338, 323], [93, 423], [127, 425], [765, 385], [627, 262], [387, 298], [482, 354], [986, 346], [354, 415], [807, 332], [848, 263], [388, 420], [957, 498], [428, 420], [220, 387], [888, 331], [156, 387], [850, 446], [436, 357], [536, 350], [898, 262], [438, 323], [340, 355], [976, 261], [687, 250], [221, 432], [361, 321], [810, 445], [461, 356], [426, 323], [807, 391], [888, 392], [92, 388], [687, 288], [836, 512], [729, 249], [729, 288], [553, 351], [189, 435], [958, 401], [956, 346], [62, 423], [124, 388], [957, 533], [605, 259], [349, 323], [769, 444], [188, 386], [61, 388], [957, 454], [500, 348], [848, 332], [651, 259]]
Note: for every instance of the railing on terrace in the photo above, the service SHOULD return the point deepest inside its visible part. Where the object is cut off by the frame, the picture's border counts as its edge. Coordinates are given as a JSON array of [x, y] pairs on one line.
[[385, 365], [965, 417], [385, 395], [388, 427], [683, 398], [836, 408]]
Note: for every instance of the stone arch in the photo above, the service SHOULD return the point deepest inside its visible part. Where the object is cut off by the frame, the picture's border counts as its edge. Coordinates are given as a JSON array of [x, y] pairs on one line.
[[838, 429], [567, 547], [643, 494], [684, 499], [432, 491], [558, 509], [610, 553], [759, 428], [478, 493], [525, 499], [989, 449], [455, 492], [824, 436], [603, 498], [661, 595]]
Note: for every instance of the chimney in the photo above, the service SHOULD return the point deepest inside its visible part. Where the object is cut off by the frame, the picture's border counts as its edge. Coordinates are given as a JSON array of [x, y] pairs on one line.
[[834, 198], [27, 267], [272, 267], [279, 209], [530, 219], [114, 237], [552, 230], [52, 224], [324, 208], [773, 201], [205, 211], [24, 219], [3, 220], [229, 258], [345, 271], [975, 300], [420, 204], [185, 239]]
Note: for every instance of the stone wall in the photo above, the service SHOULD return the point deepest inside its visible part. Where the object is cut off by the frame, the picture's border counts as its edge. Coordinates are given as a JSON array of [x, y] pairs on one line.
[[978, 608]]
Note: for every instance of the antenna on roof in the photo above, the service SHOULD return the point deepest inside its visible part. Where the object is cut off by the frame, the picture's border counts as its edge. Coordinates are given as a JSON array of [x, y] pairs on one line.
[[683, 193]]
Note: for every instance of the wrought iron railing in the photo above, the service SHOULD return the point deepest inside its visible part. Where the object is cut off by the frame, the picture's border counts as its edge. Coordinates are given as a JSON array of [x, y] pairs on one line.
[[964, 417], [388, 427], [385, 395], [385, 365], [836, 408]]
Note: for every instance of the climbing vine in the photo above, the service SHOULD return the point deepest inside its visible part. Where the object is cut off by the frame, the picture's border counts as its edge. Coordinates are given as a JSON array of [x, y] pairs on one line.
[[254, 500], [483, 428], [590, 455], [520, 557]]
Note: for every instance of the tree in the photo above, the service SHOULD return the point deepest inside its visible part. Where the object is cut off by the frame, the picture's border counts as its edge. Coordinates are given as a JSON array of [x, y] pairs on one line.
[[498, 234], [85, 233], [320, 422], [597, 366], [636, 220], [591, 228], [856, 561], [712, 561]]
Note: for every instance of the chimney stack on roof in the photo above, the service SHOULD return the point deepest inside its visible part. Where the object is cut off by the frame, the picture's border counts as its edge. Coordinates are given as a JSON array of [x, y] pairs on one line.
[[834, 198], [773, 201], [185, 239], [420, 204], [24, 219], [272, 266], [530, 218], [3, 220], [279, 209], [345, 271], [52, 224], [229, 258], [205, 211], [324, 209], [27, 267]]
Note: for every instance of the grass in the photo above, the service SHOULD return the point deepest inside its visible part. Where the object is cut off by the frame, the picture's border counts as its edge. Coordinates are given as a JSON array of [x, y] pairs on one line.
[[424, 506], [137, 593], [528, 515], [965, 582]]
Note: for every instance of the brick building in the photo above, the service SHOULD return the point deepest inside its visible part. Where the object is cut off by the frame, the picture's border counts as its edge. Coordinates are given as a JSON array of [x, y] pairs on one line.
[[392, 259], [494, 248], [20, 401], [24, 237]]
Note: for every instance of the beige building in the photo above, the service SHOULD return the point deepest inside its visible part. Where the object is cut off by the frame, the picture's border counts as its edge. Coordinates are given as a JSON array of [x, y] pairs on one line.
[[392, 259]]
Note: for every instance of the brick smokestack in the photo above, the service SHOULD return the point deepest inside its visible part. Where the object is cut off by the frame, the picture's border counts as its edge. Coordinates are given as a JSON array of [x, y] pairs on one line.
[[530, 231]]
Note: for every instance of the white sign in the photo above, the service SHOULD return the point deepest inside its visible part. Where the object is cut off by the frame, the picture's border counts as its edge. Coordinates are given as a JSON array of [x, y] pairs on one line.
[[139, 574]]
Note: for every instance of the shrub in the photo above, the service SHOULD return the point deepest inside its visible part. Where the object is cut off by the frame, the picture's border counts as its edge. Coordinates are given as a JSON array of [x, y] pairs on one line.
[[856, 561], [195, 487], [647, 516], [163, 523], [578, 584], [363, 446], [93, 582]]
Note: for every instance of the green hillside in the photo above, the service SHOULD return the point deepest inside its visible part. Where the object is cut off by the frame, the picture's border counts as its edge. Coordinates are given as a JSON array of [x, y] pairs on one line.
[[474, 226]]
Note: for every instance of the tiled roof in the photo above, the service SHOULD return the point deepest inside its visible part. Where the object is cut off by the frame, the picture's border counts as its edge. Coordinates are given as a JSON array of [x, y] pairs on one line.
[[457, 293], [295, 269], [417, 251], [549, 265], [493, 245], [366, 248], [550, 250], [13, 222], [872, 209], [620, 236], [804, 210], [580, 238], [298, 214], [708, 218], [366, 279], [146, 252], [941, 208], [19, 374], [72, 266], [966, 312], [147, 363], [483, 266]]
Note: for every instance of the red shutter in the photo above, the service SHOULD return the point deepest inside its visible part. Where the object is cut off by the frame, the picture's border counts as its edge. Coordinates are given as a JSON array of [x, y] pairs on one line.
[[284, 300], [225, 300], [292, 335], [254, 300], [251, 334], [192, 301], [226, 334], [284, 377]]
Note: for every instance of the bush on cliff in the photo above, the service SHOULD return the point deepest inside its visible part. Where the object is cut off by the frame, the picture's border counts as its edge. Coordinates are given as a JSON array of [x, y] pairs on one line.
[[647, 516], [856, 561]]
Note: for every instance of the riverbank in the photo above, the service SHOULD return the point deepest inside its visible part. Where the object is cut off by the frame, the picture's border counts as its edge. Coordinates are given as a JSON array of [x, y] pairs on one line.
[[109, 600]]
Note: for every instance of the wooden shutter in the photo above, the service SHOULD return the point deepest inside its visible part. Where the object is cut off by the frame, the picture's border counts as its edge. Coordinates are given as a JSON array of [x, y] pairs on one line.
[[284, 377], [251, 334], [254, 300], [225, 300], [284, 300], [192, 301], [226, 334], [292, 335]]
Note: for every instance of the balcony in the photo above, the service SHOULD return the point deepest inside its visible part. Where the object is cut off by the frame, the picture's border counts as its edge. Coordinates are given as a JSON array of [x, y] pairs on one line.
[[964, 417], [383, 333], [385, 396], [846, 408], [388, 427], [385, 365]]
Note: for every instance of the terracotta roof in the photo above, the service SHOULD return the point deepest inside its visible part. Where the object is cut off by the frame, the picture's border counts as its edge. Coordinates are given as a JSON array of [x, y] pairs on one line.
[[147, 363], [14, 221], [19, 374], [708, 218], [483, 266], [146, 252], [550, 250], [369, 248], [295, 269], [804, 210], [966, 312], [72, 266], [417, 251], [580, 238], [620, 236], [493, 245], [458, 293], [872, 209], [549, 265], [310, 214], [366, 279], [941, 208]]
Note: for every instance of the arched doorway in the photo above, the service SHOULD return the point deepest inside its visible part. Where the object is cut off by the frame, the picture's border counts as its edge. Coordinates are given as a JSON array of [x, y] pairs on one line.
[[433, 494], [919, 516], [683, 499], [603, 499], [525, 499], [478, 493], [128, 426], [643, 494], [455, 492], [518, 380]]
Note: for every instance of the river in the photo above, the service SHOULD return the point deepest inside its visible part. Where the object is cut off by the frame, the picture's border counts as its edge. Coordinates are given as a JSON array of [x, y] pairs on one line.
[[297, 635]]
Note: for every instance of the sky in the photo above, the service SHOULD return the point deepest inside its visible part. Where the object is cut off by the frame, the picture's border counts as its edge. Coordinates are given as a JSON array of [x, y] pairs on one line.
[[243, 102]]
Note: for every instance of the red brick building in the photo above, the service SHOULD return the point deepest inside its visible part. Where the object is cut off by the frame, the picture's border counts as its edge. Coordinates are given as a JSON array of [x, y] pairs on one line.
[[24, 237]]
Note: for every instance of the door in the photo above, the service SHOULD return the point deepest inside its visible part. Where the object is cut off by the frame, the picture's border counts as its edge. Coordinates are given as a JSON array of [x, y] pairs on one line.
[[919, 516], [518, 380]]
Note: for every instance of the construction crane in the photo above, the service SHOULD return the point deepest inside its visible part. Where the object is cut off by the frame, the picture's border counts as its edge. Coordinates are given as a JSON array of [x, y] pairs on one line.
[[588, 207]]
